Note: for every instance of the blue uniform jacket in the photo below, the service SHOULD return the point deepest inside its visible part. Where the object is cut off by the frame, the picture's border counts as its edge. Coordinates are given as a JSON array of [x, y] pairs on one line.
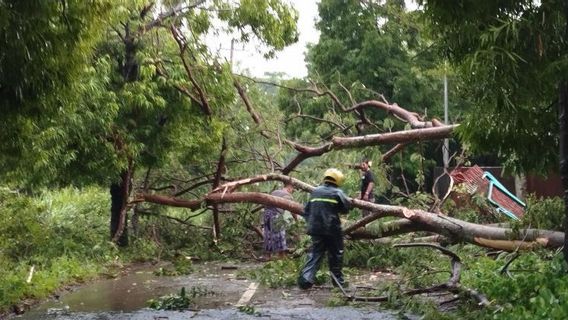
[[323, 208]]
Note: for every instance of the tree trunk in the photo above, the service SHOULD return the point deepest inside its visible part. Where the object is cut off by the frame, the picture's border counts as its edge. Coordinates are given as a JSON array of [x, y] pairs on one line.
[[120, 191], [520, 185], [216, 182], [563, 119], [118, 220]]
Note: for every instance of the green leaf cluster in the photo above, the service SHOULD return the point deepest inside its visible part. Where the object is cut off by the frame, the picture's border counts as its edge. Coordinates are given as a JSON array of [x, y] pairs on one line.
[[179, 302], [511, 56], [380, 45], [271, 21]]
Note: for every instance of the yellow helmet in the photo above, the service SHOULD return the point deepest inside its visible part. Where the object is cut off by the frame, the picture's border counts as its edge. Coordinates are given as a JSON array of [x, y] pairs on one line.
[[334, 176]]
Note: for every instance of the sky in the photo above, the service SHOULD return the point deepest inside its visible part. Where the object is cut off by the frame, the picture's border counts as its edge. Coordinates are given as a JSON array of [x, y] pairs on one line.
[[247, 58]]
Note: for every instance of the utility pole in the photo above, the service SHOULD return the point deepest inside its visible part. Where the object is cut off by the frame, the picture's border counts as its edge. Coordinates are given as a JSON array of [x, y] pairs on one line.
[[445, 150], [231, 54]]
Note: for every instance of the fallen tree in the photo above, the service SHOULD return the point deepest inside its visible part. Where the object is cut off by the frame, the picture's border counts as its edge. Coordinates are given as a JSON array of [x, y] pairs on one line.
[[413, 219]]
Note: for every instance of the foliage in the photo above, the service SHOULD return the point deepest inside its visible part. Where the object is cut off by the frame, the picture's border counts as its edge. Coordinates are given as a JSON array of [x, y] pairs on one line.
[[64, 223], [380, 257], [284, 273], [250, 310], [537, 288], [365, 50], [511, 56], [171, 302], [547, 214], [536, 285], [273, 22], [93, 118], [61, 234], [45, 49], [129, 99], [378, 44], [277, 273]]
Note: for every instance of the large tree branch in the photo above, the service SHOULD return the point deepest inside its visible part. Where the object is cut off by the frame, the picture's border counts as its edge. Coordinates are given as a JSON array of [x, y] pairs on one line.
[[386, 229], [231, 186], [338, 143], [443, 225], [401, 113], [484, 235], [204, 103], [431, 130], [179, 8], [406, 136], [389, 154], [255, 116]]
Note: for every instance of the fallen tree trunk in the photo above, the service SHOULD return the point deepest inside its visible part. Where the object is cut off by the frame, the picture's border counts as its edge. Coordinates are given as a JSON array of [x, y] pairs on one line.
[[386, 229], [454, 229]]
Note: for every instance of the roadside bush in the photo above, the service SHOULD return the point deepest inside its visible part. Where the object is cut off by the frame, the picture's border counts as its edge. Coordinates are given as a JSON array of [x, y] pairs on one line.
[[61, 234]]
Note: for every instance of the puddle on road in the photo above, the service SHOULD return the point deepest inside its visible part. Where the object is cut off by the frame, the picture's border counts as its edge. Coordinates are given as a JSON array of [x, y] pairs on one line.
[[132, 291], [126, 298]]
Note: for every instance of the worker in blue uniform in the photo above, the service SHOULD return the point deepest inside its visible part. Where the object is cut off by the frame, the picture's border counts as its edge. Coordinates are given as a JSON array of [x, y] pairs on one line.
[[322, 212]]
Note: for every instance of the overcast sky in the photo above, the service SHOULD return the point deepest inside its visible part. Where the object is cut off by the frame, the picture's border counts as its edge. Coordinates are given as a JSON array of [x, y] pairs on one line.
[[291, 59], [248, 59]]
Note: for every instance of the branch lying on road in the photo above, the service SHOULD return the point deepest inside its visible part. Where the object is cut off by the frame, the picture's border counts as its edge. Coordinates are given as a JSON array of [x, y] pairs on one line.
[[455, 229], [452, 285]]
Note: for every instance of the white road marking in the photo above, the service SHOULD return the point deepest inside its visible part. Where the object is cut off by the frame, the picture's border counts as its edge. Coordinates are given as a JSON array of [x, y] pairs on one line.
[[245, 298]]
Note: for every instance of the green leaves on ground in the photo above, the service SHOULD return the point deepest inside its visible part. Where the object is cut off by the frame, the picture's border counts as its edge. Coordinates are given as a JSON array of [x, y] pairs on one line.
[[181, 301]]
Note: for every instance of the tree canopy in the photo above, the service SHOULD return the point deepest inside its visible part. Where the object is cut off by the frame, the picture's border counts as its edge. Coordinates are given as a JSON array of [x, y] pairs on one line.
[[511, 56]]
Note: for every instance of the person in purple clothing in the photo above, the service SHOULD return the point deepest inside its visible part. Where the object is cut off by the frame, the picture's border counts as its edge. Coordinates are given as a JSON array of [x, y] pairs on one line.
[[274, 226]]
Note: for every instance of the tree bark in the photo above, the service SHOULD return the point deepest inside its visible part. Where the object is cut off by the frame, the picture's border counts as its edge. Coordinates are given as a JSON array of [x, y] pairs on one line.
[[216, 182], [339, 143], [118, 221], [119, 191], [406, 136]]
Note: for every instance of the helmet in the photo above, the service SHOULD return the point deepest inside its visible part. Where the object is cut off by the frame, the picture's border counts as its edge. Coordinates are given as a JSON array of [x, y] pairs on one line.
[[334, 176]]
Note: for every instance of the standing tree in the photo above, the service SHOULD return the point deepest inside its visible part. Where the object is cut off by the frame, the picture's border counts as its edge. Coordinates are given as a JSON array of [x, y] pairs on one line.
[[154, 93], [380, 45], [513, 56]]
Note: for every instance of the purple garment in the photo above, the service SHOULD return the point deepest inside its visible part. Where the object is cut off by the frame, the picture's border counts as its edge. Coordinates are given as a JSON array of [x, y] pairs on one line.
[[275, 234]]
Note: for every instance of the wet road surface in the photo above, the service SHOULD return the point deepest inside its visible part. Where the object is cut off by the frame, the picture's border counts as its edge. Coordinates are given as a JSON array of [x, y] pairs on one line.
[[126, 298]]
